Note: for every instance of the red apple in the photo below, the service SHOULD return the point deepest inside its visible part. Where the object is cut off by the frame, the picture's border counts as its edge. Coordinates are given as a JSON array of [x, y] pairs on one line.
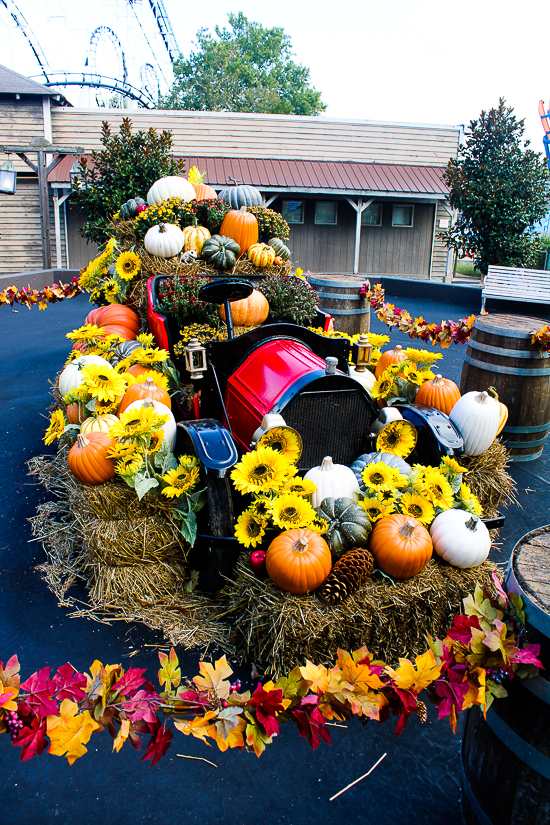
[[141, 208], [257, 562]]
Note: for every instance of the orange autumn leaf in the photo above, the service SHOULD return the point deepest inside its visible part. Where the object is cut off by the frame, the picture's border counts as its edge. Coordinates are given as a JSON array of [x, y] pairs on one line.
[[122, 735], [101, 679], [256, 738], [315, 676], [214, 677], [197, 727], [169, 673], [476, 688], [234, 737], [406, 677], [360, 678], [70, 731], [7, 696]]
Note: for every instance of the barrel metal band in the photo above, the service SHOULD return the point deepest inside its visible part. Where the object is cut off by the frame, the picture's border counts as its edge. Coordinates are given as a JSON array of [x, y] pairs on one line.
[[525, 444], [538, 686], [347, 311], [509, 353], [339, 296], [530, 457], [533, 429], [479, 813], [532, 757], [478, 324], [535, 615], [485, 365]]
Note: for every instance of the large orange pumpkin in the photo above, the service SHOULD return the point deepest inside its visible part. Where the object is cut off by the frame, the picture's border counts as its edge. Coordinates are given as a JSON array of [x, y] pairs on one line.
[[117, 314], [390, 356], [88, 460], [298, 561], [441, 393], [204, 192], [401, 546], [142, 390], [124, 332], [249, 311], [241, 226]]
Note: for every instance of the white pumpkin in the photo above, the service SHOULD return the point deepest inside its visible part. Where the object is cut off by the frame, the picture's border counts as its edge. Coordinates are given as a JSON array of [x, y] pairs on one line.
[[332, 481], [460, 538], [169, 427], [171, 186], [477, 417], [164, 240], [98, 424], [71, 377]]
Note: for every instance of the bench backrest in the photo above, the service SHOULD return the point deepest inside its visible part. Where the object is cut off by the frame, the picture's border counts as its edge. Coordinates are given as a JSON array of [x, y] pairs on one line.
[[515, 284]]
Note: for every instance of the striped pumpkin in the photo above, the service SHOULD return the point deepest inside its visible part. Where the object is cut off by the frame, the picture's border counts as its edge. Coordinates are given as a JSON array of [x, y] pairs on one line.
[[241, 195]]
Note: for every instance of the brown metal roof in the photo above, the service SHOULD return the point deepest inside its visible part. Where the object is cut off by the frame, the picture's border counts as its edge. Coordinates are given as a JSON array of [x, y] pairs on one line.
[[14, 83]]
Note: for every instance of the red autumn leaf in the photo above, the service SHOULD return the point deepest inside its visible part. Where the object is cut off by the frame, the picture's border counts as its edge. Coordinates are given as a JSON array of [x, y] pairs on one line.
[[131, 681], [401, 703], [158, 744], [452, 691], [267, 704], [40, 688], [142, 705], [134, 737], [68, 683], [310, 722], [461, 631], [529, 656], [9, 674], [32, 739]]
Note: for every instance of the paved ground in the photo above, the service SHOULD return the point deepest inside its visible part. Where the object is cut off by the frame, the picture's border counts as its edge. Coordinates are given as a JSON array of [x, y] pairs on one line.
[[418, 782]]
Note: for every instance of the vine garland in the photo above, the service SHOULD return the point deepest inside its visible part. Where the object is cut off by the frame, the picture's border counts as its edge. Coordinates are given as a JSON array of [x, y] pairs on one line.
[[47, 295]]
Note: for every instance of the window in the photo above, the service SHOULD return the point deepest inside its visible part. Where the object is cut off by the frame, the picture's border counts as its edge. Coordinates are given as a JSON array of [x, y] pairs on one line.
[[402, 215], [372, 215], [293, 211], [326, 212]]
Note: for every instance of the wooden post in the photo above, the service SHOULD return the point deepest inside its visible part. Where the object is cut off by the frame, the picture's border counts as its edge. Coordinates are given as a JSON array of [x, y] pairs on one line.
[[359, 207], [44, 210]]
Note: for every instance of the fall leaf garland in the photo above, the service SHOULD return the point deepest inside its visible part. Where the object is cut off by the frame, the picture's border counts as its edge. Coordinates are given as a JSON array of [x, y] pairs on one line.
[[61, 713], [48, 295]]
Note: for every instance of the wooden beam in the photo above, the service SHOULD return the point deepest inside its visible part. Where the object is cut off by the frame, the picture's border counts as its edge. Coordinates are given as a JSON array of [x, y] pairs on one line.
[[44, 211], [359, 207]]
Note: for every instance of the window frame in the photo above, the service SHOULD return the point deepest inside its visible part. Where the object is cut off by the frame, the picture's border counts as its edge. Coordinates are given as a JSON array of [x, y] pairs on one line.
[[375, 203], [283, 205], [402, 225], [327, 223]]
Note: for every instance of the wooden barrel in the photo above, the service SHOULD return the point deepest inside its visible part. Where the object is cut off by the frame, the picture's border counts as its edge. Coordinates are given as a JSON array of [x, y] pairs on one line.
[[500, 354], [506, 759], [339, 296]]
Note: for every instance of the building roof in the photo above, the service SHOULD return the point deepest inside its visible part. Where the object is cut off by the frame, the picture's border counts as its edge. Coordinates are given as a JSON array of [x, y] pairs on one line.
[[14, 83]]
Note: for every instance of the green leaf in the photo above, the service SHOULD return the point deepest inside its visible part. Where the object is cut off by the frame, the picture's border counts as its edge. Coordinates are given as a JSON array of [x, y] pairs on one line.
[[455, 483], [144, 484], [188, 528]]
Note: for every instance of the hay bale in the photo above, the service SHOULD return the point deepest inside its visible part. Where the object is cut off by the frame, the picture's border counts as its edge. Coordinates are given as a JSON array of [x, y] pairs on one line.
[[488, 479]]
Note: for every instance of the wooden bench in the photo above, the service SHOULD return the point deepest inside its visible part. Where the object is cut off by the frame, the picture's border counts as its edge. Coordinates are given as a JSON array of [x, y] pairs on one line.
[[513, 284]]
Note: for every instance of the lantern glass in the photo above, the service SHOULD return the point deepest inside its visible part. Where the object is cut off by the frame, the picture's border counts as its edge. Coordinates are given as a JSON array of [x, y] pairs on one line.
[[364, 350], [8, 178], [195, 358]]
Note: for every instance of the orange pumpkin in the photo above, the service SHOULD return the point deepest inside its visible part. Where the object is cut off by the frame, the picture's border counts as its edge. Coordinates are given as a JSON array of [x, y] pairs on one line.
[[249, 311], [140, 369], [390, 356], [260, 254], [124, 332], [204, 192], [298, 561], [142, 390], [88, 460], [241, 226], [114, 314], [194, 238], [401, 546], [278, 261], [441, 393], [75, 414]]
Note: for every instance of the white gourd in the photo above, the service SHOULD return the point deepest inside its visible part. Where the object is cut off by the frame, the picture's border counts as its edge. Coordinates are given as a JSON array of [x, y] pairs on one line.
[[164, 240], [98, 424], [477, 417], [460, 538], [332, 481], [172, 186], [169, 427], [71, 376]]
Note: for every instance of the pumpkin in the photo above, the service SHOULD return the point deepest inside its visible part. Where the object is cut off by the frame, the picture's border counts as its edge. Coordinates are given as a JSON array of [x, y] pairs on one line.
[[129, 209], [373, 458], [242, 226], [298, 561], [203, 192], [348, 524], [503, 410], [261, 254], [75, 414], [114, 314], [441, 393], [123, 332], [141, 390], [281, 249], [71, 377], [332, 480], [248, 312], [220, 252], [237, 196], [401, 546], [460, 538], [98, 424], [164, 240], [169, 427], [88, 460], [390, 356], [278, 261], [477, 417], [122, 350], [141, 369], [171, 186], [194, 238]]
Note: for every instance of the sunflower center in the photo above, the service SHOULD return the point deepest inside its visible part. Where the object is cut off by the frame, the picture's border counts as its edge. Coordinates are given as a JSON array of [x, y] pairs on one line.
[[377, 478], [253, 529], [277, 445], [289, 513], [262, 472], [415, 510]]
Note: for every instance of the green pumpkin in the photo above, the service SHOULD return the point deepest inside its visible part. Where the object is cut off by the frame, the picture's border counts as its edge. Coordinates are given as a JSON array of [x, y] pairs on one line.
[[373, 458], [220, 251], [128, 210], [349, 525], [121, 351], [280, 248]]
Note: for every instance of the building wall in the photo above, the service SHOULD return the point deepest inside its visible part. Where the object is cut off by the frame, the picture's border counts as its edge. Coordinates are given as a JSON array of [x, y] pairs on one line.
[[20, 245], [80, 252], [20, 121]]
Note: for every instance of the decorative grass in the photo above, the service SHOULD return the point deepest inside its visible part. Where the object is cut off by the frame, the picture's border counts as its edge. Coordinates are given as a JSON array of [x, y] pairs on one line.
[[488, 479]]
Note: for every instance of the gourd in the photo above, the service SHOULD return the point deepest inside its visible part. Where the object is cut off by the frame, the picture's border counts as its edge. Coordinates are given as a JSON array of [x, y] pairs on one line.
[[129, 209], [88, 460], [260, 254], [280, 248], [348, 524], [164, 240], [401, 546], [332, 481], [240, 195], [71, 377], [220, 252], [390, 356], [75, 413], [477, 417], [171, 186], [503, 410], [298, 561], [141, 390], [98, 424], [460, 538], [122, 350], [441, 393], [194, 238], [373, 458], [242, 226], [169, 427], [118, 314], [248, 312]]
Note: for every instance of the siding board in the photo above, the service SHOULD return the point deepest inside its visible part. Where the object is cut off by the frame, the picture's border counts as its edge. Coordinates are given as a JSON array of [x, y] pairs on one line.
[[20, 246]]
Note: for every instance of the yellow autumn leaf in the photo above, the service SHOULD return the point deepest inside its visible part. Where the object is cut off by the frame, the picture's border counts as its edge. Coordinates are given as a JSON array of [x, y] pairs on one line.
[[316, 676], [257, 738], [169, 673], [476, 688], [197, 727], [70, 731], [122, 735], [360, 677], [214, 677], [234, 738], [407, 677]]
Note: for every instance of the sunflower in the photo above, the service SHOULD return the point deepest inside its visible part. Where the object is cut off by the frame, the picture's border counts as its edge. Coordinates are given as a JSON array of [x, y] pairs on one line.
[[378, 340], [180, 480], [283, 440], [437, 489], [136, 423], [55, 427], [378, 476], [450, 465], [300, 486], [417, 506], [318, 525], [398, 438], [386, 496], [425, 375], [259, 471], [422, 356], [290, 510], [145, 338], [155, 440], [399, 480], [188, 461], [410, 373], [111, 289], [127, 265], [86, 333], [382, 386], [103, 383], [159, 379], [122, 450], [248, 530], [375, 357], [375, 509], [469, 501], [261, 508], [150, 355], [130, 465]]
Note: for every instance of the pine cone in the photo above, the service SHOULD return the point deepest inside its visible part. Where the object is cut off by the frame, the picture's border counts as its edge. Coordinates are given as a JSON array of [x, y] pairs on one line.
[[422, 711], [347, 575]]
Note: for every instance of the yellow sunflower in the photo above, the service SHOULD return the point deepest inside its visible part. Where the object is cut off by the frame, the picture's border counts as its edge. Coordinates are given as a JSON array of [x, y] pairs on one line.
[[55, 427], [378, 340], [149, 355], [86, 333], [290, 510], [375, 509], [145, 338], [103, 383], [378, 476], [111, 290], [417, 506], [398, 438], [375, 357], [318, 525], [412, 374], [180, 480], [300, 486], [437, 489], [386, 496], [259, 471], [469, 501], [449, 464], [155, 440], [136, 423], [382, 387], [248, 530], [188, 461], [399, 480], [261, 508], [158, 378], [127, 265], [422, 356], [130, 465], [122, 450], [283, 440]]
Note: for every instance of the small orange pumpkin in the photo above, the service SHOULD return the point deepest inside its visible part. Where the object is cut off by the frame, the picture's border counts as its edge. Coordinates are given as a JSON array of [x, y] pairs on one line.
[[88, 460], [241, 226], [298, 561], [401, 545], [441, 393], [142, 390], [390, 356], [75, 414], [278, 261], [260, 254], [248, 312], [204, 192]]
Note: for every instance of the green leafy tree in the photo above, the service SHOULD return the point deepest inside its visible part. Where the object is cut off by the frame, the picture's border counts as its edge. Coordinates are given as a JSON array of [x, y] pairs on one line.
[[246, 68], [500, 188], [125, 168]]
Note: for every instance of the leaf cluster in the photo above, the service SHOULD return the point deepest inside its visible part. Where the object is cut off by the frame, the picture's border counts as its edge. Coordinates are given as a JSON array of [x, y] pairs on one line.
[[289, 298], [270, 224], [178, 299]]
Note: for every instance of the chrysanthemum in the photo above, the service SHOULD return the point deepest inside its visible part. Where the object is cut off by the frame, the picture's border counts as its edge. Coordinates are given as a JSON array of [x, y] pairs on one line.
[[180, 480], [103, 383], [127, 265], [417, 506], [382, 386], [248, 530], [375, 509], [261, 508], [55, 427], [130, 465], [285, 441], [86, 333], [469, 501], [149, 355], [378, 476], [299, 486], [398, 438], [290, 510], [450, 464], [260, 471], [437, 489]]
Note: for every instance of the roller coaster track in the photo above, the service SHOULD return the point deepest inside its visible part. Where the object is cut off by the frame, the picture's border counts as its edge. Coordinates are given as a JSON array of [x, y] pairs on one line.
[[165, 27], [97, 81], [23, 24]]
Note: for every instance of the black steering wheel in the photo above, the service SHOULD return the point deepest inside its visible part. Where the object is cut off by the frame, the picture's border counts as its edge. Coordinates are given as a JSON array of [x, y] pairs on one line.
[[223, 292]]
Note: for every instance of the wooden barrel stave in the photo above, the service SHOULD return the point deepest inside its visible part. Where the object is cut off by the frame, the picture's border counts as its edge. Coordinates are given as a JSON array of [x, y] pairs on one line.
[[339, 296]]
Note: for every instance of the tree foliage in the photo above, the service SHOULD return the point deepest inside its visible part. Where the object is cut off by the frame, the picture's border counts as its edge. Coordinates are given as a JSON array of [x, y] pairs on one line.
[[125, 168], [246, 68], [501, 189]]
